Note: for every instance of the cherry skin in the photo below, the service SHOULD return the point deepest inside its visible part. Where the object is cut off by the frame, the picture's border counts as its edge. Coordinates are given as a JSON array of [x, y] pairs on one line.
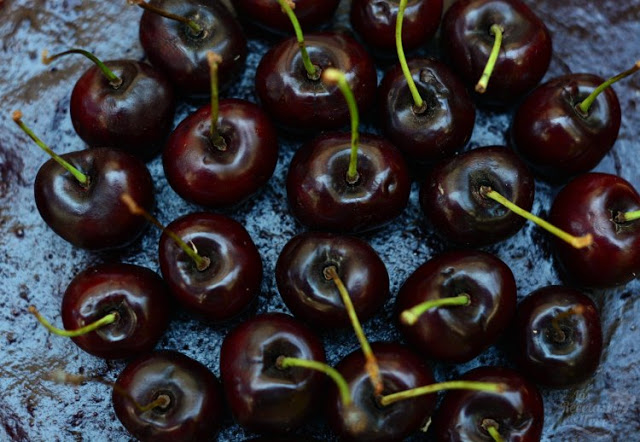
[[524, 55], [401, 369], [212, 176], [315, 299], [558, 336], [232, 280], [452, 201], [92, 216], [321, 198], [459, 333], [135, 116], [555, 138], [263, 397], [590, 204], [268, 14], [303, 104], [439, 130], [517, 412], [174, 48], [195, 404], [375, 22]]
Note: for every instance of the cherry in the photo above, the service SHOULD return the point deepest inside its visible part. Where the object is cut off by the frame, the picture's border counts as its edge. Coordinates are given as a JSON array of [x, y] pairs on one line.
[[268, 15], [515, 415], [470, 29], [312, 297], [597, 204], [456, 304], [558, 336], [262, 395], [181, 399]]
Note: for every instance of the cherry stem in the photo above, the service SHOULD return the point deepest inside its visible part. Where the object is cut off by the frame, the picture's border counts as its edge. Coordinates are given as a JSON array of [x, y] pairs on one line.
[[578, 242], [195, 27], [420, 105], [312, 71], [555, 321], [284, 362], [489, 387], [371, 364], [482, 84], [491, 427], [624, 217], [586, 104], [114, 80], [411, 316], [336, 76], [217, 140], [202, 262], [162, 401], [81, 177], [106, 320]]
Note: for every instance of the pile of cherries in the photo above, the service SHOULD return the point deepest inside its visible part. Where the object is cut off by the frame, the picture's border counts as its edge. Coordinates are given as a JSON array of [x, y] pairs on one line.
[[451, 308]]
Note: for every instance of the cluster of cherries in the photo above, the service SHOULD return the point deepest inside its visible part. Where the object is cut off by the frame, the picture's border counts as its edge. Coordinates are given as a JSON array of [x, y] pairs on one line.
[[452, 308]]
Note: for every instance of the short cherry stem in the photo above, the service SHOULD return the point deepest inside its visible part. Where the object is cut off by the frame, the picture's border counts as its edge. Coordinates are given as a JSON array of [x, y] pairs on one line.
[[106, 320], [481, 86], [578, 242], [417, 99], [411, 316], [114, 80], [338, 77], [586, 104], [284, 362], [195, 27], [489, 387], [216, 139], [81, 177], [162, 401], [491, 427], [555, 321], [624, 217], [202, 262], [312, 71]]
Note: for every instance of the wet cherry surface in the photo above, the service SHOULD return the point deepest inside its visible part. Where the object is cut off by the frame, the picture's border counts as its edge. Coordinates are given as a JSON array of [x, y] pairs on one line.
[[36, 265]]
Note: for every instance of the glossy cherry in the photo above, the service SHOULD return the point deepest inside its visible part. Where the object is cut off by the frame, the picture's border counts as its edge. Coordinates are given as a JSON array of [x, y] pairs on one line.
[[232, 278], [268, 15], [592, 203], [452, 201], [195, 405], [458, 333], [312, 297], [263, 397]]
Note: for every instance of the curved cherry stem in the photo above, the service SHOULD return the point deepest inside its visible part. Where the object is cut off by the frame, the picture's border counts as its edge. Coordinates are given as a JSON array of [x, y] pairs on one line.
[[217, 140], [587, 102], [624, 217], [491, 427], [202, 262], [81, 177], [195, 27], [284, 362], [495, 30], [114, 80], [312, 71], [489, 387], [578, 242], [419, 103], [411, 316], [105, 320]]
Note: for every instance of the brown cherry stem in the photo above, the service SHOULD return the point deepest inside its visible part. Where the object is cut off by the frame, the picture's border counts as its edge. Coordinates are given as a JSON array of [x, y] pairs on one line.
[[217, 140], [114, 80], [481, 86], [195, 27], [555, 321], [490, 387], [411, 316], [625, 217], [105, 320], [587, 102]]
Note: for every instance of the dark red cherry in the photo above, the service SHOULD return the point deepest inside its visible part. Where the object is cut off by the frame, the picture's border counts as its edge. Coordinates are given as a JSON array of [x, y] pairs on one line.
[[180, 52], [230, 282], [92, 216], [263, 397], [557, 139], [558, 338], [454, 204], [524, 55], [401, 369], [461, 332], [313, 297], [303, 104], [195, 404], [218, 176], [268, 14], [375, 22], [442, 127], [592, 203]]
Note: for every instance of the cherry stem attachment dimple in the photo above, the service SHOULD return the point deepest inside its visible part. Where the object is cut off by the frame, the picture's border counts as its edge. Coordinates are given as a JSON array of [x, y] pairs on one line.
[[489, 387], [585, 105], [195, 27], [81, 177], [624, 217], [284, 362], [114, 80], [217, 140], [312, 71], [202, 262], [336, 76], [555, 321], [495, 30], [578, 242], [105, 320], [419, 103], [491, 427], [411, 316]]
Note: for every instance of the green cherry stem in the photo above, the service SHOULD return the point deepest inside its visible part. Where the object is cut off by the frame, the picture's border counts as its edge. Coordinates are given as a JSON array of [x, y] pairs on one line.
[[81, 177], [491, 427], [419, 104], [495, 30], [284, 362], [114, 80], [411, 316], [312, 71], [217, 140], [489, 387], [195, 27], [578, 242], [623, 217], [105, 320], [587, 102]]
